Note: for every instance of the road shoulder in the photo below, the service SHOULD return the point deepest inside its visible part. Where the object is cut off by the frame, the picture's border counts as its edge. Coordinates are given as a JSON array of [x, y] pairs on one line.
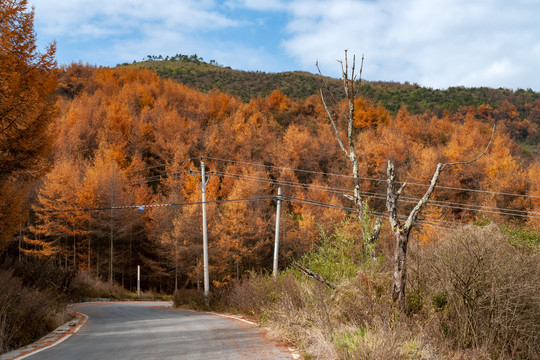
[[55, 337]]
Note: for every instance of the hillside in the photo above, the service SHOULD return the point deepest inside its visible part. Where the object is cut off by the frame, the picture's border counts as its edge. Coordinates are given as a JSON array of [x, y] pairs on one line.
[[130, 133], [194, 72], [242, 84]]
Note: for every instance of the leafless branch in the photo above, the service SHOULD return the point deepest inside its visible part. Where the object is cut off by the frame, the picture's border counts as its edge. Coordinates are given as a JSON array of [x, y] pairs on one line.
[[479, 156], [398, 194], [336, 103], [334, 125], [422, 202], [316, 276], [359, 77]]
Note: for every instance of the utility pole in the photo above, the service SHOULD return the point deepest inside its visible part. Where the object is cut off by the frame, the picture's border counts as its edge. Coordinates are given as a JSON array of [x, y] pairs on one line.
[[20, 241], [176, 265], [204, 181], [112, 235], [89, 236], [276, 242], [205, 234]]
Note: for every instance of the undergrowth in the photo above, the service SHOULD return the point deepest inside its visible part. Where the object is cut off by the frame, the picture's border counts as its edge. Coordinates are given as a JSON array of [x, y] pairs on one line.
[[471, 295], [26, 313]]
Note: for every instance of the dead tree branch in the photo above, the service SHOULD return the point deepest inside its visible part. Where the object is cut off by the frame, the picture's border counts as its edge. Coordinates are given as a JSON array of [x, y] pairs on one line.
[[347, 115], [402, 231], [315, 276]]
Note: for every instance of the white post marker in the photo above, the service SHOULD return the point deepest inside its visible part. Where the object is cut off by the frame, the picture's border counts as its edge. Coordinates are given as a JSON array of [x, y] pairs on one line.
[[276, 242], [138, 280]]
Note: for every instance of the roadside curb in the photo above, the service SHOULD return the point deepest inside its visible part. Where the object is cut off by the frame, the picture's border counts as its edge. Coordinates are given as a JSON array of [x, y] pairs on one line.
[[55, 337]]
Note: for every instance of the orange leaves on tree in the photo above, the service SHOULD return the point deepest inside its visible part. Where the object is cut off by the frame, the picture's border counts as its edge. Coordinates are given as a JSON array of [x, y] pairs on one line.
[[367, 115], [144, 121], [27, 107], [220, 105], [277, 101]]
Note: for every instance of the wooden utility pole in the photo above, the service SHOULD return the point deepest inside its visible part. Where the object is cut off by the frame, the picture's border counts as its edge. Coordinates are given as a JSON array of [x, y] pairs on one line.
[[138, 280], [276, 242], [112, 235], [20, 241], [205, 234], [204, 181]]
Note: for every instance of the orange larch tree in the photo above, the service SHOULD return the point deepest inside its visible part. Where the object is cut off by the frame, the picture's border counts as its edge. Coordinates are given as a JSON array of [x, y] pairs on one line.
[[27, 107], [59, 218]]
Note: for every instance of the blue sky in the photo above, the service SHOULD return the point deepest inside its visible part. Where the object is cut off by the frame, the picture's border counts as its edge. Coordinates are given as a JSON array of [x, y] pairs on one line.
[[435, 43]]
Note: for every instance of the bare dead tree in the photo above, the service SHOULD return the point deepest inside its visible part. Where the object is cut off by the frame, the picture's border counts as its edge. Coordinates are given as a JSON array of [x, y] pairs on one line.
[[401, 230], [350, 86]]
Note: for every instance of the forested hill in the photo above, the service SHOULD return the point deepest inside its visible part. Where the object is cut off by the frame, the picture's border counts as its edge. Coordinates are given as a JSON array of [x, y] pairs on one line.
[[195, 72]]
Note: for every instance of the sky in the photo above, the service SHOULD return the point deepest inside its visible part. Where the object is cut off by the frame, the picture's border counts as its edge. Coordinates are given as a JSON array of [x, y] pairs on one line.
[[434, 43]]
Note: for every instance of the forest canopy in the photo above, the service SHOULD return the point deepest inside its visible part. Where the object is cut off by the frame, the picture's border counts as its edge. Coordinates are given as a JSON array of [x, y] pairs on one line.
[[126, 137]]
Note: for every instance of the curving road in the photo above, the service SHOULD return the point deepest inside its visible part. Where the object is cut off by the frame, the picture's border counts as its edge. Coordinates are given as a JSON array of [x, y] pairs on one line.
[[153, 330]]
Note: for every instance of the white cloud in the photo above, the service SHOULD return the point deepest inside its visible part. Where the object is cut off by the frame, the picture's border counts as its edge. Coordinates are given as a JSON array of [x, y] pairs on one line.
[[266, 5], [117, 17], [436, 43]]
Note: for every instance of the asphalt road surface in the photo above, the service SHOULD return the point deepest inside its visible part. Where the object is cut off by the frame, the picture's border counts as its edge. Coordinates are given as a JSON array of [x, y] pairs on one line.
[[153, 330]]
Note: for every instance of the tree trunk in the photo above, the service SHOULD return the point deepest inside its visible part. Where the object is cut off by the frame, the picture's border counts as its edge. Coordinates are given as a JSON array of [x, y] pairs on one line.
[[74, 251], [400, 268]]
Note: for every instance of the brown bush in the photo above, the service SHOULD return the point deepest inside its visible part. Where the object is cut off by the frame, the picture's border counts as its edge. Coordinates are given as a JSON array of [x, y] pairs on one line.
[[26, 313], [86, 286], [258, 294], [361, 300], [44, 275], [483, 291], [190, 298]]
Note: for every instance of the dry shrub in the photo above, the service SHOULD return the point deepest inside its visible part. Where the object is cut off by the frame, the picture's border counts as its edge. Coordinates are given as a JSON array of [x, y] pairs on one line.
[[356, 320], [484, 292], [86, 286], [293, 309], [258, 294], [301, 309], [191, 298], [26, 313], [360, 300], [44, 275]]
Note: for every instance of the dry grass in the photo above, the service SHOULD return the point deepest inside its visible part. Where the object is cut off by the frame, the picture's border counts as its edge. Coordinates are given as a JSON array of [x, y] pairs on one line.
[[26, 313], [87, 286], [484, 292], [471, 296]]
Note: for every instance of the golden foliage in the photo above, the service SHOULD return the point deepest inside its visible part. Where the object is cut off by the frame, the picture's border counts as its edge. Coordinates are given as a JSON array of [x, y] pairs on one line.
[[27, 107], [157, 130]]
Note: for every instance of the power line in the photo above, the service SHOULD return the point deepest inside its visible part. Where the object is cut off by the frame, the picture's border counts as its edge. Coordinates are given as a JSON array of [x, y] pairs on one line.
[[380, 196], [447, 225], [158, 166], [372, 179], [124, 207], [411, 200], [154, 178]]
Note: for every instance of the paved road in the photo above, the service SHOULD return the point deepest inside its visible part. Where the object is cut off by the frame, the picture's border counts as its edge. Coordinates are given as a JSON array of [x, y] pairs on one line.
[[153, 330]]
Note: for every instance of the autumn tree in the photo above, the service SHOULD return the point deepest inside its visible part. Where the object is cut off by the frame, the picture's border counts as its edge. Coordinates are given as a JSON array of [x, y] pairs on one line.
[[245, 236], [59, 222], [354, 123], [27, 107], [402, 229]]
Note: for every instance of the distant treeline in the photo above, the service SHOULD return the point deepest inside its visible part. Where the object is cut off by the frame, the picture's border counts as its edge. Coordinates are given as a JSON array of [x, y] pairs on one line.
[[193, 71], [178, 57]]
